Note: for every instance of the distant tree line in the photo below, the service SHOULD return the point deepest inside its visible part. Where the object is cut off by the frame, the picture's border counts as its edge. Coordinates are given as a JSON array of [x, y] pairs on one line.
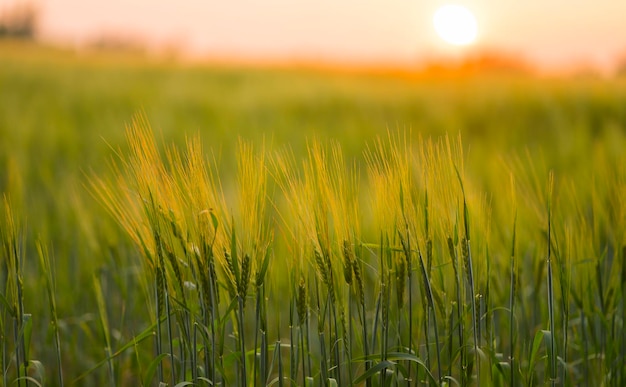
[[19, 21]]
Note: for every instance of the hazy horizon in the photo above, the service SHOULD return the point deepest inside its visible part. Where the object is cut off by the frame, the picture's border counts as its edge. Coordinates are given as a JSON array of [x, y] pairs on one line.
[[558, 35]]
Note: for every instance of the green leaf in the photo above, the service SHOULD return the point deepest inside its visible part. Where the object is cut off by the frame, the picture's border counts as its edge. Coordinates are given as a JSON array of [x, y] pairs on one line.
[[29, 379], [260, 277], [402, 356], [547, 339], [214, 220], [534, 352], [146, 251], [147, 379], [374, 370], [8, 306], [37, 370], [501, 367], [447, 379], [231, 307], [148, 332]]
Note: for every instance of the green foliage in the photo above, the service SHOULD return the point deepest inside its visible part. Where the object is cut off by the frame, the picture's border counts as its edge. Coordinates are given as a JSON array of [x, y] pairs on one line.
[[363, 239]]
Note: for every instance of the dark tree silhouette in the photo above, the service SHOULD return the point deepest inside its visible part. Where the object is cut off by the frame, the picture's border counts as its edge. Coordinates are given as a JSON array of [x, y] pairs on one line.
[[19, 21]]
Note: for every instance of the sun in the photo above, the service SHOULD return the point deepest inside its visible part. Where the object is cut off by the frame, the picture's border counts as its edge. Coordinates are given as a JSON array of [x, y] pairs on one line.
[[455, 24]]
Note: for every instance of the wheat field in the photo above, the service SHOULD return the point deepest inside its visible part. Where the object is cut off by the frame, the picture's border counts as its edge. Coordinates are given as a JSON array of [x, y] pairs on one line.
[[172, 224]]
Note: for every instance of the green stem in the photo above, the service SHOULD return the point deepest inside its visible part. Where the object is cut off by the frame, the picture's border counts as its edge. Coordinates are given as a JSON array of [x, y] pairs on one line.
[[242, 345], [170, 337]]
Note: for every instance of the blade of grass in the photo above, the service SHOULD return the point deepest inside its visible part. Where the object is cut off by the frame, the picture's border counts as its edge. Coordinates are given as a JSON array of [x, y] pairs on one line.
[[552, 346], [44, 261], [512, 297]]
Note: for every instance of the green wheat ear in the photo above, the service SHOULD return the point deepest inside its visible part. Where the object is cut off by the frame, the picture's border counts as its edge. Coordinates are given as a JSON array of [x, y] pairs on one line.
[[356, 268], [188, 228], [301, 301], [11, 237], [348, 258], [245, 277]]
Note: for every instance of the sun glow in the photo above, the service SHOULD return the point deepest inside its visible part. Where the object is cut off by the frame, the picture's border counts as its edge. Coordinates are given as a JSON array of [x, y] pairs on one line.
[[455, 24]]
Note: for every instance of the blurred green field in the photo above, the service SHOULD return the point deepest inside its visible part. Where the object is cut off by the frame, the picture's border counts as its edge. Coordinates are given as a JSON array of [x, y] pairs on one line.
[[63, 116]]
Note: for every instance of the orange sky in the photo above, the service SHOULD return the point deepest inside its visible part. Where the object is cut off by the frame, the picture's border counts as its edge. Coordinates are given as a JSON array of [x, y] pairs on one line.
[[550, 33]]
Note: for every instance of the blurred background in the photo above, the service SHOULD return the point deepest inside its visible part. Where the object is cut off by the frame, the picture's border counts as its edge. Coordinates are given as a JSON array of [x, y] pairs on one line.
[[553, 36]]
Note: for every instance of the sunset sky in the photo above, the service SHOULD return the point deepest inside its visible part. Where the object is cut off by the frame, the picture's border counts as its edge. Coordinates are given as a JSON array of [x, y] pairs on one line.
[[553, 34]]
